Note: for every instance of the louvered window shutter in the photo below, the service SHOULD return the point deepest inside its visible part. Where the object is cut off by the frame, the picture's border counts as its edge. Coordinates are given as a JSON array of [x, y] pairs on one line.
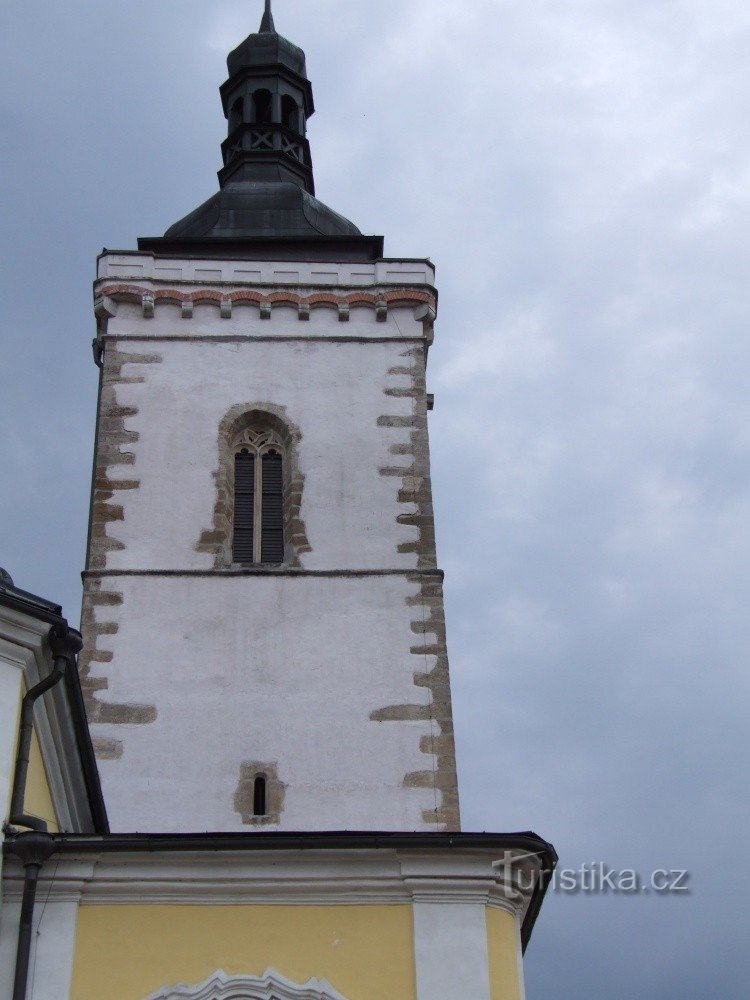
[[272, 509], [244, 507]]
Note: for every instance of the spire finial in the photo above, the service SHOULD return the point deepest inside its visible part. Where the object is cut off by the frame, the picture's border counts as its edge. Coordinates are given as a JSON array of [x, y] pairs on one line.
[[267, 25]]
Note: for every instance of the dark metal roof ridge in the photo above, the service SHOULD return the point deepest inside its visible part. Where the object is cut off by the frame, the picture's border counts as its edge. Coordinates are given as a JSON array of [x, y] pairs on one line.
[[354, 249], [86, 752], [133, 843], [39, 607]]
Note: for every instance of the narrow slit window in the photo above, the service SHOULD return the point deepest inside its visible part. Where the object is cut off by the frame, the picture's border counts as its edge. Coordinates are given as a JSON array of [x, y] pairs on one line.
[[259, 796], [244, 507]]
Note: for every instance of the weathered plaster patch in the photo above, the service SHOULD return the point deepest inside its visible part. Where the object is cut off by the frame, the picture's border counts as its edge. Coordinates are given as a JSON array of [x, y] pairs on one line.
[[245, 795], [112, 450], [435, 679], [106, 749], [217, 540], [415, 492], [97, 601]]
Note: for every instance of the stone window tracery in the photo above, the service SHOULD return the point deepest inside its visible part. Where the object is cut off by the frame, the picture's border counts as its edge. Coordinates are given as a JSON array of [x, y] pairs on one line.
[[258, 528]]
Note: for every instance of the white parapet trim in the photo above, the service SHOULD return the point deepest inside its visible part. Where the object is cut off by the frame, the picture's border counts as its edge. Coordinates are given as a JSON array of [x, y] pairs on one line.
[[140, 265], [138, 295]]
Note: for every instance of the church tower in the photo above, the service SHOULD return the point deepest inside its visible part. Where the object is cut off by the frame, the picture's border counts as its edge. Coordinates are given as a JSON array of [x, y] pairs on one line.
[[264, 662], [263, 613]]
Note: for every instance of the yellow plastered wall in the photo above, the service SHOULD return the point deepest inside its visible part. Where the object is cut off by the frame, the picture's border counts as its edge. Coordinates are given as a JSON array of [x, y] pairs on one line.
[[10, 709], [503, 946], [38, 799], [128, 952]]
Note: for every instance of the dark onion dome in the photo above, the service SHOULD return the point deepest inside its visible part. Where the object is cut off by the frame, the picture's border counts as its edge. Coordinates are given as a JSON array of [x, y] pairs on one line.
[[267, 48], [253, 210], [267, 190]]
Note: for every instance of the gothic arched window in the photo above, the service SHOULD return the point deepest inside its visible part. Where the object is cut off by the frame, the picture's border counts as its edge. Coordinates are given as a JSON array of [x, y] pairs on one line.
[[257, 515], [258, 526]]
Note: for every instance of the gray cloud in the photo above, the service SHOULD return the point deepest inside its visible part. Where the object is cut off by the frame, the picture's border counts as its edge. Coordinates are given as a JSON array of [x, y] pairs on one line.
[[580, 173]]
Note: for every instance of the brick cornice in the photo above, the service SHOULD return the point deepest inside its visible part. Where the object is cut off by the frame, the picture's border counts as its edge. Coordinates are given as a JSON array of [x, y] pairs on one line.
[[381, 298]]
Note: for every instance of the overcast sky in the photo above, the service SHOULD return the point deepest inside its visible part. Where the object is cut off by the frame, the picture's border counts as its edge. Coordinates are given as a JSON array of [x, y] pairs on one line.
[[579, 171]]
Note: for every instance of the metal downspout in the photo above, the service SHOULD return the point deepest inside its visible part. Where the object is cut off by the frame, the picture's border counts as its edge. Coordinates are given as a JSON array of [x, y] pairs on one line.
[[33, 849], [65, 643]]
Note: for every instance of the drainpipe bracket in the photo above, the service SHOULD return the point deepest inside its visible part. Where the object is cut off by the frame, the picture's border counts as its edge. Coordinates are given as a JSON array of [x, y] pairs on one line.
[[65, 642], [32, 848]]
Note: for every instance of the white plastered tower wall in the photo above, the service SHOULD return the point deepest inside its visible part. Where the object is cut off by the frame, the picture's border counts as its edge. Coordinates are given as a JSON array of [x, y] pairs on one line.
[[328, 673]]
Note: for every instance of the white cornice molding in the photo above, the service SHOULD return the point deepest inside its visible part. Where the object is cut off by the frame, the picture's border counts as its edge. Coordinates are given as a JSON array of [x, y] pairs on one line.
[[22, 643], [449, 890], [288, 878], [271, 986], [16, 654]]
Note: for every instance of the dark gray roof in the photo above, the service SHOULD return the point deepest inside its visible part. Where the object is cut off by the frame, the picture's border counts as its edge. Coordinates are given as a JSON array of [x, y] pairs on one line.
[[50, 613], [267, 191], [267, 49], [22, 600], [255, 210]]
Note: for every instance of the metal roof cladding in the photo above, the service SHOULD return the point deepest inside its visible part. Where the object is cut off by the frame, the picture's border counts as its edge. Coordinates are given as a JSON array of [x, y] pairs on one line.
[[267, 190]]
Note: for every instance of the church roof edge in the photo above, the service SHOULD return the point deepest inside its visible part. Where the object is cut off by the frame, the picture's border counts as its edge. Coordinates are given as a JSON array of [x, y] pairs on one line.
[[356, 249], [527, 843]]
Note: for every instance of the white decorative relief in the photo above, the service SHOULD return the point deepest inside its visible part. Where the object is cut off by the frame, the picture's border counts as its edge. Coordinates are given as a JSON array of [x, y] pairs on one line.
[[271, 986]]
